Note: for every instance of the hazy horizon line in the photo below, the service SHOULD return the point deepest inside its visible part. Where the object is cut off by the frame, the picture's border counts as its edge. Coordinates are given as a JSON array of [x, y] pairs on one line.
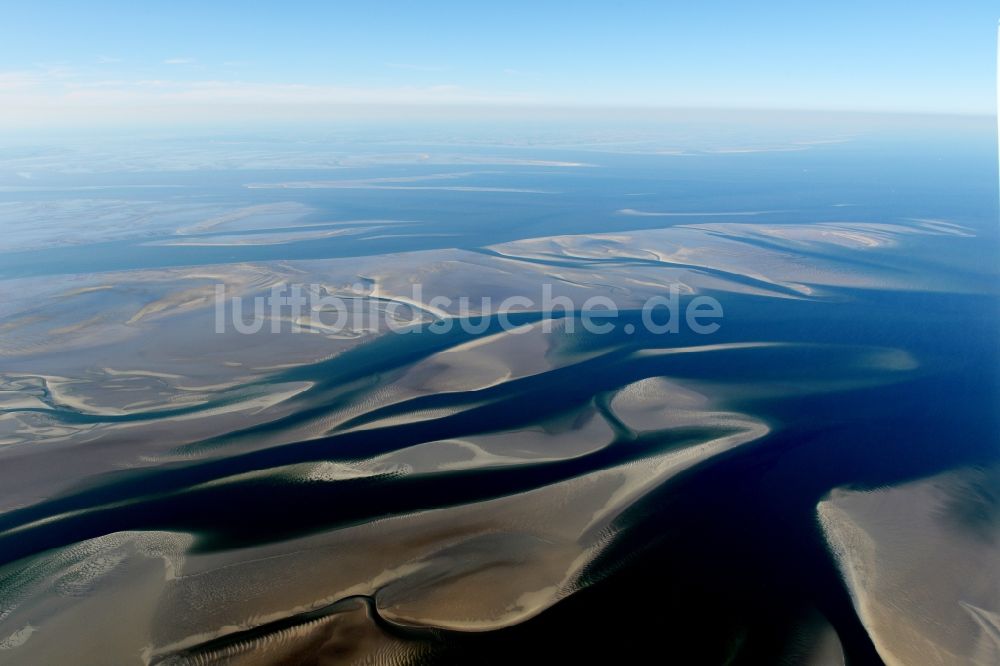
[[202, 116]]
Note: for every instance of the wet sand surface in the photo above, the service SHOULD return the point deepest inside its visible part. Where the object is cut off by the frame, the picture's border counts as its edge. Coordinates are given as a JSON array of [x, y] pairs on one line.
[[814, 482]]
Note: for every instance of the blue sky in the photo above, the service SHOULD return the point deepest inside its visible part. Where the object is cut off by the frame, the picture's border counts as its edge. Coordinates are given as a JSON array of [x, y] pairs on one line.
[[91, 61]]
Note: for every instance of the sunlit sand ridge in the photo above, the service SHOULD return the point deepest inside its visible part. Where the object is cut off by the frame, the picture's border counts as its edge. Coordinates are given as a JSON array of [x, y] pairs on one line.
[[922, 561], [350, 492]]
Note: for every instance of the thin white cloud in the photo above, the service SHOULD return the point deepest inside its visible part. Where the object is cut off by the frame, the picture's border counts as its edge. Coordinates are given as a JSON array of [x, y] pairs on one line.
[[13, 81], [37, 97], [57, 70], [179, 61]]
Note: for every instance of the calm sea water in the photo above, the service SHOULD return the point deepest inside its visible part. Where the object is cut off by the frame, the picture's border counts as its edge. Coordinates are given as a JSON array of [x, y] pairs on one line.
[[724, 559]]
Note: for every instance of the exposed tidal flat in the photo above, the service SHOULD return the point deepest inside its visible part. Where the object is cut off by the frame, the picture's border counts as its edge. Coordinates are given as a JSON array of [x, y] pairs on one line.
[[811, 482]]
